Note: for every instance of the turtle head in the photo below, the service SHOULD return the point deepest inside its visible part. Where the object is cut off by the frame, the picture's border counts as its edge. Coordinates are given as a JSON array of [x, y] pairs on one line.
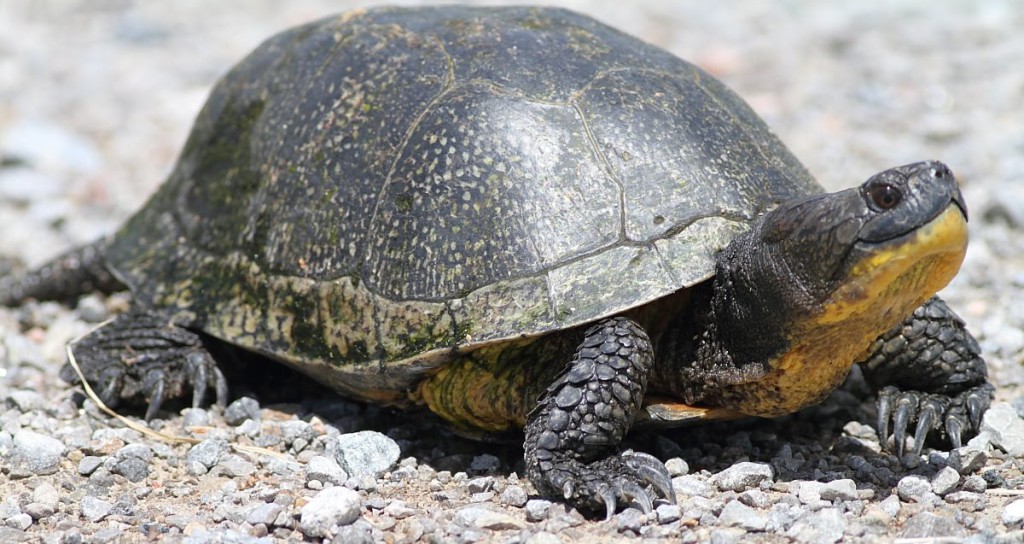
[[857, 241], [802, 295]]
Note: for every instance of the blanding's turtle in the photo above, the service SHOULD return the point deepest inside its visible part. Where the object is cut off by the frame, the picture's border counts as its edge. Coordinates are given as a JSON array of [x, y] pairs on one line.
[[524, 219]]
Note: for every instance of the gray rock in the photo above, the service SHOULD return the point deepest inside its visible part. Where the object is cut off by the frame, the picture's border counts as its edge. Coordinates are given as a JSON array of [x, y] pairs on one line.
[[480, 485], [25, 400], [329, 509], [1005, 428], [915, 489], [20, 522], [974, 484], [967, 460], [485, 463], [132, 462], [514, 495], [94, 509], [1013, 514], [677, 467], [737, 514], [358, 532], [755, 498], [39, 454], [668, 513], [824, 526], [928, 525], [365, 453], [39, 510], [691, 485], [486, 516], [782, 516], [265, 513], [537, 509], [945, 481], [839, 490], [742, 476], [242, 409], [88, 464], [809, 493], [399, 510], [204, 455], [47, 495], [891, 505], [234, 466], [325, 470], [630, 519], [195, 417]]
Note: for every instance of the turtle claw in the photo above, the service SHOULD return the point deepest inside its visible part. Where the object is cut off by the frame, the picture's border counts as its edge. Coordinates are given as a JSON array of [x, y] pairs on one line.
[[156, 394], [164, 362], [608, 483], [927, 412], [652, 471]]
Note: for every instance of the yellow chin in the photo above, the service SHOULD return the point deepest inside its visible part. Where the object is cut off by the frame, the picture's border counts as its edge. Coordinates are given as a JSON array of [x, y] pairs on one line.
[[882, 290], [894, 281]]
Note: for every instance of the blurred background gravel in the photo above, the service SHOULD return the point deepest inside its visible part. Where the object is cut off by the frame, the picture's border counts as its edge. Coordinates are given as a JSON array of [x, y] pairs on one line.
[[97, 96]]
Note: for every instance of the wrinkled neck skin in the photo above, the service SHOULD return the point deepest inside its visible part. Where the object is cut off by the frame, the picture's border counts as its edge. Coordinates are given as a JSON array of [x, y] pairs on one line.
[[736, 328], [756, 345]]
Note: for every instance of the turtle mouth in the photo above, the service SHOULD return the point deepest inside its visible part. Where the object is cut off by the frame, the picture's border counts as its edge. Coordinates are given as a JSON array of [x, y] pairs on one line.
[[895, 276]]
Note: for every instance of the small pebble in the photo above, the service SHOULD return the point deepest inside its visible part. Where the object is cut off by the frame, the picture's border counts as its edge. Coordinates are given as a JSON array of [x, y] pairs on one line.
[[742, 476], [1005, 428], [514, 496], [325, 470], [334, 506], [204, 455], [20, 522], [928, 525], [537, 509], [365, 453], [945, 481], [94, 509], [668, 513], [265, 513], [242, 409], [37, 453], [1013, 514], [88, 464], [737, 514], [677, 467], [132, 462], [914, 489]]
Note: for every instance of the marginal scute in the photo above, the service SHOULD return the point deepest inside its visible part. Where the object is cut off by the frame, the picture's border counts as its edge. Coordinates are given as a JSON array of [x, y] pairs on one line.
[[504, 310], [594, 287]]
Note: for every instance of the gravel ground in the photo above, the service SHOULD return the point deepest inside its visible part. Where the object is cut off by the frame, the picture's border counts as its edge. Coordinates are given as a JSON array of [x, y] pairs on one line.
[[97, 96]]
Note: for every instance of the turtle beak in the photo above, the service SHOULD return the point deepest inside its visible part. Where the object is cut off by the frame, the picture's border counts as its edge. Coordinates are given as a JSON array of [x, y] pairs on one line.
[[958, 199]]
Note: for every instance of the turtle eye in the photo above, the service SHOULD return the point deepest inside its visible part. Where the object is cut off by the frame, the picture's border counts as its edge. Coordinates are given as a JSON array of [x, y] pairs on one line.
[[885, 196]]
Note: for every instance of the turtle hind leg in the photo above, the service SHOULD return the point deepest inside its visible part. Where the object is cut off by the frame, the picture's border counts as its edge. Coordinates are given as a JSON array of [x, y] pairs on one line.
[[141, 357], [930, 375], [79, 271], [573, 434]]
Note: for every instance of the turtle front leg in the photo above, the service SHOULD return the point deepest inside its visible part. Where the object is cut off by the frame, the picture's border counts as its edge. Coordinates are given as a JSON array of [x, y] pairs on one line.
[[139, 356], [929, 373], [572, 436]]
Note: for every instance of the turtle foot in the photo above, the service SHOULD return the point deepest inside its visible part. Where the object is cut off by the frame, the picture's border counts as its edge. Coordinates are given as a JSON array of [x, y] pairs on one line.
[[140, 356], [573, 436], [606, 484], [951, 416]]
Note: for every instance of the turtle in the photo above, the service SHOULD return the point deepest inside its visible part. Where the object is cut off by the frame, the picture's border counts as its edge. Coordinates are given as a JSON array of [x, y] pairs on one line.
[[526, 222]]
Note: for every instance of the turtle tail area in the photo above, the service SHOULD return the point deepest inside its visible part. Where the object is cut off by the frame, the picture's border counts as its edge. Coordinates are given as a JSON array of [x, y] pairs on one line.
[[80, 271]]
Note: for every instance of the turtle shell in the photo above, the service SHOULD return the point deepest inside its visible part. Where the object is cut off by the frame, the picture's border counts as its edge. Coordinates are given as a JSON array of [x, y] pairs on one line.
[[367, 196]]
